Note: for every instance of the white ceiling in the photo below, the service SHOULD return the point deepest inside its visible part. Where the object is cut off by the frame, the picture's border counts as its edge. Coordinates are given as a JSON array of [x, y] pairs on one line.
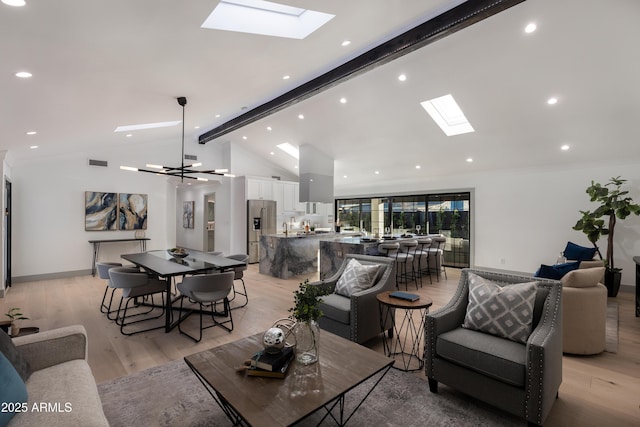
[[97, 65]]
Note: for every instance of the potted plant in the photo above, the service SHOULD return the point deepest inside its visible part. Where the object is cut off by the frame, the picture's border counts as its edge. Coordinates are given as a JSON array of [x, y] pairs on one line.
[[15, 314], [614, 203], [306, 312]]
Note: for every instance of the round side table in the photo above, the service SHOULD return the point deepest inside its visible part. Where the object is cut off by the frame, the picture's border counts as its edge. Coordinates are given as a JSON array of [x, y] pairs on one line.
[[406, 344]]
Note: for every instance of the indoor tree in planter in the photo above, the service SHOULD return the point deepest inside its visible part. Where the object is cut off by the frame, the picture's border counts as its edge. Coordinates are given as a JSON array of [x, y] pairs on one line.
[[614, 203]]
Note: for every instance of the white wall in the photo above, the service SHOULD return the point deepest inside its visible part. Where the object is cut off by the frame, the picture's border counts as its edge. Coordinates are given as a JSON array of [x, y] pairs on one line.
[[48, 211], [525, 216]]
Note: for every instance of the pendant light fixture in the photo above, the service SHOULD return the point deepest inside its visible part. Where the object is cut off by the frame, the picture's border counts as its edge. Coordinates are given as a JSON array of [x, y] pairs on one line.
[[183, 171]]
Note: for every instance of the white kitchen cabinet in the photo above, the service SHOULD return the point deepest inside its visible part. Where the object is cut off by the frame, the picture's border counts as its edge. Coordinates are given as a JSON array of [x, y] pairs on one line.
[[258, 189]]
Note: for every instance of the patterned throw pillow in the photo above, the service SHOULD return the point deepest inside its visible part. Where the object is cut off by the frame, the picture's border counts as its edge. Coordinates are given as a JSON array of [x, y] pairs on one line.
[[355, 277], [503, 311]]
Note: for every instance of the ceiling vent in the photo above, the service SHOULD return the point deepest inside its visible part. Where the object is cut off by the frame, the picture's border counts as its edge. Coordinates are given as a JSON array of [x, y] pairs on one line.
[[190, 157], [93, 162]]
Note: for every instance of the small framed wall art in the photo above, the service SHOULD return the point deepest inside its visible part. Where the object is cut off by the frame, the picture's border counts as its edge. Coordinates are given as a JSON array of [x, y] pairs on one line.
[[187, 214]]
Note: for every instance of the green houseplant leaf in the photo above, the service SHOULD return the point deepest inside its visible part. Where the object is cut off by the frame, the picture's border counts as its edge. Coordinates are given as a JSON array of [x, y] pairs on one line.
[[614, 204]]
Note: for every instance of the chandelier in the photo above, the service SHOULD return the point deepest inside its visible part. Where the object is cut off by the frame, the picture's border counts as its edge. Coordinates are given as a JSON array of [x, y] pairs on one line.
[[183, 171]]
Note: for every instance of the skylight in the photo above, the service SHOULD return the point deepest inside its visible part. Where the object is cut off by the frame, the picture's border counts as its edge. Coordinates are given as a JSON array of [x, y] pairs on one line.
[[448, 115], [265, 18], [146, 126], [290, 150]]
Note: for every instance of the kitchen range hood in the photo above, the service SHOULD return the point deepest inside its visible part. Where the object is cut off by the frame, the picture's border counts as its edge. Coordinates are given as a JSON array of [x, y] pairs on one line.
[[316, 175]]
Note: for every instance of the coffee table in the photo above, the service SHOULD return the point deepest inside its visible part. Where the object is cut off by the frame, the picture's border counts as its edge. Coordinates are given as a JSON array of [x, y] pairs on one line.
[[247, 400]]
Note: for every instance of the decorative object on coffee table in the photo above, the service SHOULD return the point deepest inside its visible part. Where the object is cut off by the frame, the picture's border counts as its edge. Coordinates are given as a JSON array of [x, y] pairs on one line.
[[614, 204], [306, 313]]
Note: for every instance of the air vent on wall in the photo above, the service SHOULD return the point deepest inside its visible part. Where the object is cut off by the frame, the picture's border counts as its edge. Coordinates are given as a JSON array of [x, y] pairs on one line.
[[190, 157], [275, 177], [102, 163]]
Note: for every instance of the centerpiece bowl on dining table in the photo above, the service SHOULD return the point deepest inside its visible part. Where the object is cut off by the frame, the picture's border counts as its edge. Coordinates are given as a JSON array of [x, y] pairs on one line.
[[176, 253]]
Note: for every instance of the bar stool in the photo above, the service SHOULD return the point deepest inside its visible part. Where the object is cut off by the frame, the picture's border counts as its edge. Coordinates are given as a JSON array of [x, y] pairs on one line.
[[407, 255], [422, 253], [238, 275], [390, 250], [440, 241]]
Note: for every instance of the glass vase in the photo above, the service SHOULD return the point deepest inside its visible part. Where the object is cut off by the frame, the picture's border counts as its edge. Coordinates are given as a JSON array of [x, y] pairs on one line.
[[307, 342]]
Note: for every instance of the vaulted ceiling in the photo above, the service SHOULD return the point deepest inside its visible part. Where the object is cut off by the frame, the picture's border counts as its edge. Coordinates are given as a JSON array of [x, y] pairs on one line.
[[97, 65]]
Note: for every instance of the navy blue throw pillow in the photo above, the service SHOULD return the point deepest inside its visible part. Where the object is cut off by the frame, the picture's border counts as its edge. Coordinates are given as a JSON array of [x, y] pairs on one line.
[[556, 271], [579, 253]]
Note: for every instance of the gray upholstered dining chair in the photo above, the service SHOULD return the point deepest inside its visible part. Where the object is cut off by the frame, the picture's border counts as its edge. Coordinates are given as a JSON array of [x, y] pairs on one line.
[[239, 275], [137, 286], [103, 272], [496, 357], [357, 316], [207, 290]]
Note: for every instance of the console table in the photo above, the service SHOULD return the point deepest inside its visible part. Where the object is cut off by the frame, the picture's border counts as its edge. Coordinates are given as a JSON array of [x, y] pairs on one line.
[[96, 248], [636, 259]]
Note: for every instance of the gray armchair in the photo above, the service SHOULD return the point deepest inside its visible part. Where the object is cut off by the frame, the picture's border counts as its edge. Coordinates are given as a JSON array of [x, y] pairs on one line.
[[356, 318], [520, 378]]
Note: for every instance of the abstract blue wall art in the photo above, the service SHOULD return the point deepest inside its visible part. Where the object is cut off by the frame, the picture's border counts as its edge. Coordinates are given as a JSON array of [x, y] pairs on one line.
[[132, 210], [100, 211]]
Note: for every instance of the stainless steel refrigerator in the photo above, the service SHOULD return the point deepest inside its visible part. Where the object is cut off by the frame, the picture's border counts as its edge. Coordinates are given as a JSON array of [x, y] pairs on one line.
[[261, 219]]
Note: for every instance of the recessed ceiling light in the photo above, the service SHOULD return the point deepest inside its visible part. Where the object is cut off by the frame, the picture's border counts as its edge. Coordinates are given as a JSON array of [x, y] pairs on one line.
[[265, 18], [402, 77], [289, 149], [286, 77], [23, 74], [32, 132], [268, 127], [129, 135], [33, 147], [346, 43], [196, 127], [469, 160], [417, 166], [295, 166], [343, 100], [344, 176], [448, 115], [16, 3], [530, 28], [565, 147], [552, 101], [217, 115], [146, 126], [301, 116], [272, 153], [244, 137], [377, 172]]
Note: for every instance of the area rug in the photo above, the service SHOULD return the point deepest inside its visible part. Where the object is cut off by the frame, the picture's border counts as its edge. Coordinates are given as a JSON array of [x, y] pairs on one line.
[[611, 343], [170, 395]]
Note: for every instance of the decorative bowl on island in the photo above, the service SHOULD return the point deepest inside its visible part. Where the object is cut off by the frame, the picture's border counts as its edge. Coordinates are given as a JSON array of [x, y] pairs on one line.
[[178, 252]]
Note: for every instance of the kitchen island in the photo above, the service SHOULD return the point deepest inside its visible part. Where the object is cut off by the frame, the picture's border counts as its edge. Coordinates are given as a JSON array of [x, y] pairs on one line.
[[334, 251], [284, 256]]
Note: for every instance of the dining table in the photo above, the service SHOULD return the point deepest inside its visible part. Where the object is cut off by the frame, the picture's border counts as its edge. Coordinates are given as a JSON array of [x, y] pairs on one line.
[[166, 267]]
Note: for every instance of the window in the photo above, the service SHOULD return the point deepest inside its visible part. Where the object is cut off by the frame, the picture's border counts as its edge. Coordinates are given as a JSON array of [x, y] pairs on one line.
[[448, 214]]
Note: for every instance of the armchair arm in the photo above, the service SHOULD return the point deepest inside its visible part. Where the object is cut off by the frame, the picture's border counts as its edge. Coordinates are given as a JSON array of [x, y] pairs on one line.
[[544, 358], [445, 319], [53, 347]]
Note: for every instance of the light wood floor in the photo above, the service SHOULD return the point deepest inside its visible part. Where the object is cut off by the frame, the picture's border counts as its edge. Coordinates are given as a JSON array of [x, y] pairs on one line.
[[596, 390]]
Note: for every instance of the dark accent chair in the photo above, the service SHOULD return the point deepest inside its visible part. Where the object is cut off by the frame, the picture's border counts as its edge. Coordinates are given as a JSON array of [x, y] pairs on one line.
[[356, 318], [522, 379]]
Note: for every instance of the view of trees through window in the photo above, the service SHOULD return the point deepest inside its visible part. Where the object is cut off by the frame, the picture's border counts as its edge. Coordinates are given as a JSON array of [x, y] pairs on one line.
[[446, 214]]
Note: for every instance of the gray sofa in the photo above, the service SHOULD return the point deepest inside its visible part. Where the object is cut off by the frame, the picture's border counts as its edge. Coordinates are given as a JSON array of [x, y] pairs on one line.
[[356, 318], [521, 378], [62, 376]]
